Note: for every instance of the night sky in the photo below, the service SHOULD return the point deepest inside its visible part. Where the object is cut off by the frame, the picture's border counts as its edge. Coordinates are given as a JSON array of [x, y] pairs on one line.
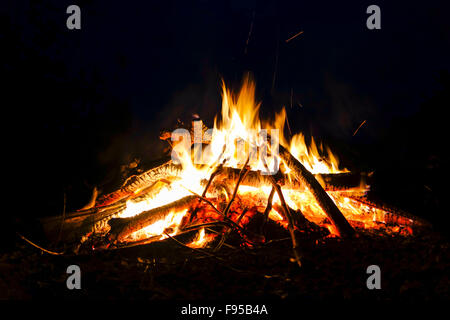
[[83, 102]]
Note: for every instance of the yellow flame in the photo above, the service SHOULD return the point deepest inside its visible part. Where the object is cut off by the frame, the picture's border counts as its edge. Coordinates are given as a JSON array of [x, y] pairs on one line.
[[201, 240], [167, 225], [310, 156]]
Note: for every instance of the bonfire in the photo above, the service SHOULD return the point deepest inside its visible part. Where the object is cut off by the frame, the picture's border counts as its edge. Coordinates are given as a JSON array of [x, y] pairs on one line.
[[233, 185]]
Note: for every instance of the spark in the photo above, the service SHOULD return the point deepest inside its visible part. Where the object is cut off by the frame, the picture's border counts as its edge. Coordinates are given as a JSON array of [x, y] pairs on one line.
[[354, 133], [276, 66], [249, 32], [294, 36]]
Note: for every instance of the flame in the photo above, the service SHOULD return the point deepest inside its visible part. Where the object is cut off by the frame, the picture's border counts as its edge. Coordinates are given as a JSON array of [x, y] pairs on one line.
[[235, 136], [310, 156], [201, 240], [315, 159], [168, 225], [238, 130]]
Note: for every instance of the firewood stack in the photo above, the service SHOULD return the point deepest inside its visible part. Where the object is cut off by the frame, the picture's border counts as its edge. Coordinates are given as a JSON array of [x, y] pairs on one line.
[[231, 206]]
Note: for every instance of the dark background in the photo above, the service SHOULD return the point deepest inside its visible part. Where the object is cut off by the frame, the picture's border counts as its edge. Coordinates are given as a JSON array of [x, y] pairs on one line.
[[78, 104]]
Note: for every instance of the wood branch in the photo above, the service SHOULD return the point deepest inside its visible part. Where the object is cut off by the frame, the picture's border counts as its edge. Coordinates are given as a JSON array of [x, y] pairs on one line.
[[267, 211], [211, 178], [300, 221], [200, 198], [77, 224], [205, 253], [305, 177], [347, 181], [123, 227], [287, 215], [39, 247], [216, 223], [393, 215], [216, 172], [150, 192], [139, 182], [343, 181], [289, 218], [230, 222], [227, 233], [242, 174]]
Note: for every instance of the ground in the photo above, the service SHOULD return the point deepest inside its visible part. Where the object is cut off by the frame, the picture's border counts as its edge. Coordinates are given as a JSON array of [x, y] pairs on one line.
[[412, 268]]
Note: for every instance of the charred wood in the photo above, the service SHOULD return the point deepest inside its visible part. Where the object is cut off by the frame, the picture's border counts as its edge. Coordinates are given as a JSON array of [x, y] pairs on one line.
[[302, 175], [123, 227]]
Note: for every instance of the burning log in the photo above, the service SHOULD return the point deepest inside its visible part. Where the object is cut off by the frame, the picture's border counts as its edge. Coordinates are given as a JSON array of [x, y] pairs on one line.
[[392, 215], [71, 227], [287, 216], [267, 210], [136, 183], [302, 175], [301, 223], [123, 227], [347, 181], [243, 173]]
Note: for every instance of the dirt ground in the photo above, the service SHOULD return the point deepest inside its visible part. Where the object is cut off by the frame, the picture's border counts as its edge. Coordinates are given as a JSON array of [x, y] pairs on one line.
[[412, 268]]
